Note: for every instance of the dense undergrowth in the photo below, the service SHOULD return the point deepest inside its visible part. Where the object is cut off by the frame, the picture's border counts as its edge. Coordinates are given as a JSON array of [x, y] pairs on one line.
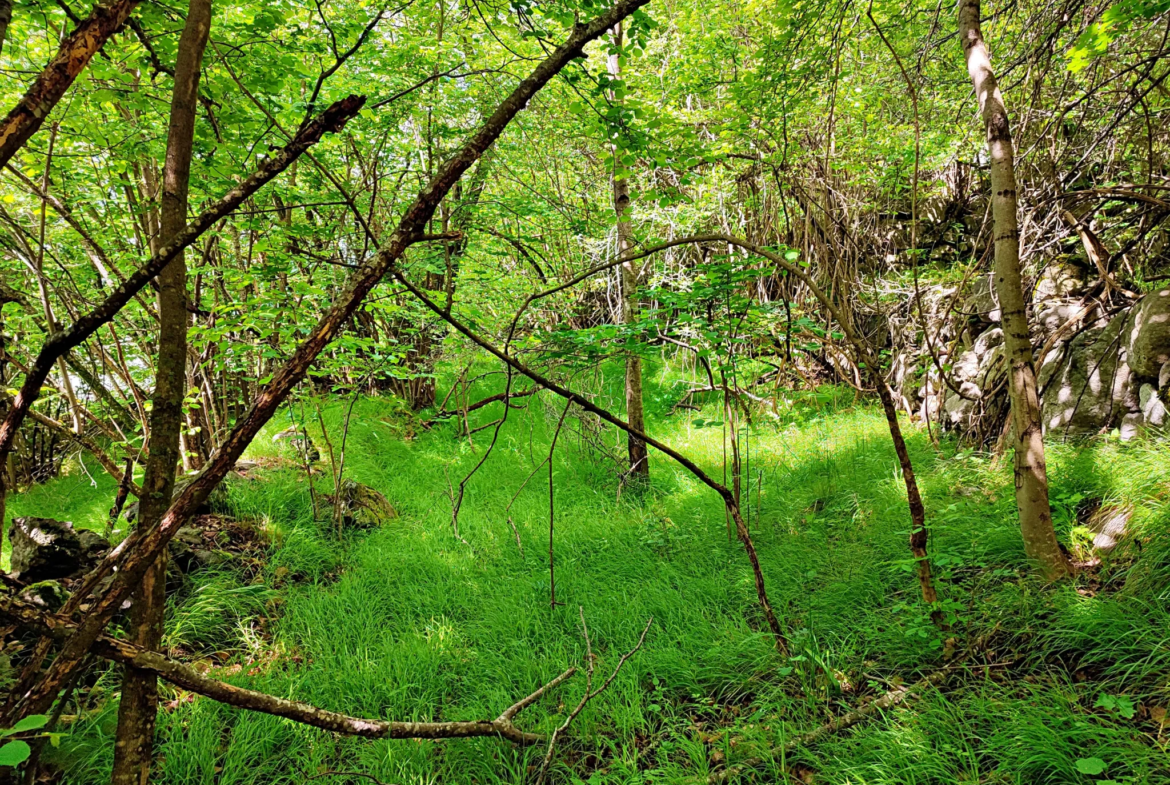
[[408, 622]]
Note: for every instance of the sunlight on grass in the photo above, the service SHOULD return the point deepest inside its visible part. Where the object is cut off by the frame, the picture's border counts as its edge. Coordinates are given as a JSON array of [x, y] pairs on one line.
[[407, 622]]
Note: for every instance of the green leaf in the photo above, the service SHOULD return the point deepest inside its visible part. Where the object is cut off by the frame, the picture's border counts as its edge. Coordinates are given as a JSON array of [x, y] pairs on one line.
[[31, 722], [1090, 765], [14, 753]]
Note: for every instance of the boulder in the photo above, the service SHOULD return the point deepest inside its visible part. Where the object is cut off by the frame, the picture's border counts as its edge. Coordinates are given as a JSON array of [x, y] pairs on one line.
[[93, 546], [45, 549], [982, 301], [1152, 406], [362, 507], [975, 373], [1051, 315], [1109, 526], [1061, 277], [1131, 426], [960, 411], [1148, 334], [1086, 391], [299, 442], [188, 551]]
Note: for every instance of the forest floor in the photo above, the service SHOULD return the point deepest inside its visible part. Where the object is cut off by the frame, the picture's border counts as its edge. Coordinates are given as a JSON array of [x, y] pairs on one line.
[[407, 622]]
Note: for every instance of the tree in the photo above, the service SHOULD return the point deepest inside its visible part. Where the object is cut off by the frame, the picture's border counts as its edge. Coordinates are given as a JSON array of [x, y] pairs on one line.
[[134, 743], [628, 291], [1031, 472]]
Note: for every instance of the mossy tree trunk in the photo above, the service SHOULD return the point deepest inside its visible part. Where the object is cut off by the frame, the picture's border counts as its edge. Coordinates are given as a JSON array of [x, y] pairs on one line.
[[139, 705]]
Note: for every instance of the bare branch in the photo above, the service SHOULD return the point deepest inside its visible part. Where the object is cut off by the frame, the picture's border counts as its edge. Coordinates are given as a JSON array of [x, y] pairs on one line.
[[187, 677], [590, 693]]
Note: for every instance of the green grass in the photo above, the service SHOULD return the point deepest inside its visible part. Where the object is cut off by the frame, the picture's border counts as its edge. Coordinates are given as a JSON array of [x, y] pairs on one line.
[[407, 622]]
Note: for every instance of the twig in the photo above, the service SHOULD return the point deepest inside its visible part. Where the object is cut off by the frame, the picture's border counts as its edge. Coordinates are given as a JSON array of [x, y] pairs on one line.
[[552, 581], [516, 496], [892, 698], [332, 467], [590, 693]]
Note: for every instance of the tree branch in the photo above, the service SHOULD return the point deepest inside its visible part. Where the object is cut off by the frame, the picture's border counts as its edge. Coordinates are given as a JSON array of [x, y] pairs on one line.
[[71, 59], [188, 678]]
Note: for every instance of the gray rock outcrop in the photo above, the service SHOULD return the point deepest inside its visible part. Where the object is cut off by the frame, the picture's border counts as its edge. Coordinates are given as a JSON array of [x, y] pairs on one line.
[[1148, 335], [46, 549]]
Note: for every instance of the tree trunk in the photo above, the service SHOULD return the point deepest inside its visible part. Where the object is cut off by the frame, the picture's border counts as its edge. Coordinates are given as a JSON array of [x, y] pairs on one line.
[[139, 705], [428, 342], [1031, 474], [5, 18], [635, 415]]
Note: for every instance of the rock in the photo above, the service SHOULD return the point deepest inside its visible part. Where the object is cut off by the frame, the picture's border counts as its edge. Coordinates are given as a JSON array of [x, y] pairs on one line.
[[967, 366], [188, 551], [93, 545], [49, 596], [975, 373], [1164, 378], [1059, 278], [44, 549], [977, 364], [1148, 333], [987, 342], [300, 443], [1153, 408], [1053, 314], [1109, 525], [216, 502], [362, 507], [959, 410], [1131, 426], [982, 301], [1086, 391]]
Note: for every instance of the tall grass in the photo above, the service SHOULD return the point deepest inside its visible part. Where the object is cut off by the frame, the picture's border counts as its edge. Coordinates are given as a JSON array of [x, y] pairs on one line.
[[408, 622]]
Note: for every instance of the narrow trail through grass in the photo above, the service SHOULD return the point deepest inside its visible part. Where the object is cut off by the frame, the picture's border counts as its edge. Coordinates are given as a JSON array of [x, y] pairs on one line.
[[407, 622]]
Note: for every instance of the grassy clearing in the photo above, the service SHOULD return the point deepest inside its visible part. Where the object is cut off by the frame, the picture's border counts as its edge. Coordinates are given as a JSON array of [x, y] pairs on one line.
[[407, 622]]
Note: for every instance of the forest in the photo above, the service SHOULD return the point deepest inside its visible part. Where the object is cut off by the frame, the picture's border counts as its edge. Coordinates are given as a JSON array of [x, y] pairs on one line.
[[585, 391]]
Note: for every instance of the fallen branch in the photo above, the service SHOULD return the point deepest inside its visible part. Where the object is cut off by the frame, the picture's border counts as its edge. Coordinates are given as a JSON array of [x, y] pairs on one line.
[[590, 693], [188, 678], [893, 698], [480, 404]]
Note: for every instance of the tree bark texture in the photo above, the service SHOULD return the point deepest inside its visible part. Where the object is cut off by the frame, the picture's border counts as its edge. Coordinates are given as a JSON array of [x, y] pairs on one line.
[[1031, 473], [138, 708]]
